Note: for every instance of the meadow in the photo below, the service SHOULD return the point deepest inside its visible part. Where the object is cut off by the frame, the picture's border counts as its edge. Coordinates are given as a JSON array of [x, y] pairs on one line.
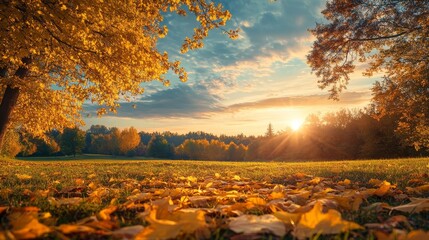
[[102, 197]]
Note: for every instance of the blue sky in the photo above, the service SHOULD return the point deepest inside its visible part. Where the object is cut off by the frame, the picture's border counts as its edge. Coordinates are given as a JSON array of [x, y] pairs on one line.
[[240, 86]]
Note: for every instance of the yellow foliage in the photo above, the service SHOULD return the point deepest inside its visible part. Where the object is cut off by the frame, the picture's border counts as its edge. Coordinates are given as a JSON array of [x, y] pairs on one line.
[[99, 51], [25, 224], [317, 222]]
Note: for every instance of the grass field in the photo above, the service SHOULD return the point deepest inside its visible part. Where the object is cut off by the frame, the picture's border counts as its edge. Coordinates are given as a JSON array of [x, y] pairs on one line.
[[100, 197]]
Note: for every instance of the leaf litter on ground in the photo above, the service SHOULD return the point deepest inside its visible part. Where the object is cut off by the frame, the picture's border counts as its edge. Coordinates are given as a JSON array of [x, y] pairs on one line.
[[303, 206]]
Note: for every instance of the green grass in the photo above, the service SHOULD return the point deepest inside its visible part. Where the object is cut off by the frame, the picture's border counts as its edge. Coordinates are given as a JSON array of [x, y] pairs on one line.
[[396, 171], [60, 176]]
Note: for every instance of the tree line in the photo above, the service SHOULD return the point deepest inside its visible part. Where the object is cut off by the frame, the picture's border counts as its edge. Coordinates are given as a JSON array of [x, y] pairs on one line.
[[346, 134]]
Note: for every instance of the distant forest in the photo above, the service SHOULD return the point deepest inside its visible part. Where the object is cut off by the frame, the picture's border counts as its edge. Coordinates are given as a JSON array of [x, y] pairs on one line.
[[346, 134]]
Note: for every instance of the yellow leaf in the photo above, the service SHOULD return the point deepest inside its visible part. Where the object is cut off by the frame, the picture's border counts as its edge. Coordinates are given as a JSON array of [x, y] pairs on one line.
[[92, 185], [23, 176], [79, 181], [277, 195], [208, 185], [317, 222], [315, 181], [257, 201], [105, 213], [190, 220], [251, 224], [192, 179], [25, 225], [288, 218], [91, 176], [236, 178], [383, 189], [181, 222], [346, 182]]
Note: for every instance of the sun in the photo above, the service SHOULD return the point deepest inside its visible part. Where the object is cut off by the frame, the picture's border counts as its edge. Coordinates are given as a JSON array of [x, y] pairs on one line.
[[296, 124]]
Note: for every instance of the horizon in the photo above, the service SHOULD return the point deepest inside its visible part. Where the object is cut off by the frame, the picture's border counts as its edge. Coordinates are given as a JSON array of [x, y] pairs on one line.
[[239, 86]]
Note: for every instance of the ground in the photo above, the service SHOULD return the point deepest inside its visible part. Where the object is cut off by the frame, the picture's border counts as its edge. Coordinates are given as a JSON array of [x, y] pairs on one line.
[[98, 197]]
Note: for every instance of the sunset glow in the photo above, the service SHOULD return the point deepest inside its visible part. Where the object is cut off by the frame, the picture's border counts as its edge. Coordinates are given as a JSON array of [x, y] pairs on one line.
[[296, 124], [239, 86]]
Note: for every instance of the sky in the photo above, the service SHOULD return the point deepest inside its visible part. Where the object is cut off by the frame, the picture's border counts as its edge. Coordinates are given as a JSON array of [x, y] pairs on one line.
[[240, 86]]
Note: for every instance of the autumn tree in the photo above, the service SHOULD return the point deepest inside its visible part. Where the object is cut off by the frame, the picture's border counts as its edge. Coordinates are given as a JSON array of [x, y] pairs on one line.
[[57, 54], [12, 145], [129, 139], [72, 141], [391, 37]]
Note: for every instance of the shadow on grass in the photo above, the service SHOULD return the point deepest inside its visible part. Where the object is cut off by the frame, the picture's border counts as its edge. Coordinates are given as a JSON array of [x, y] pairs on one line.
[[82, 157]]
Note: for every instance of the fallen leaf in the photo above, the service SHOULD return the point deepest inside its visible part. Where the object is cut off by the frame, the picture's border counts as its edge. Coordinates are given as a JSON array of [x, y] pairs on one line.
[[23, 176], [25, 224], [415, 206], [383, 189], [70, 228], [127, 232], [181, 222], [317, 222], [91, 176], [397, 234], [105, 213], [250, 224], [288, 218], [65, 201], [257, 201], [79, 181], [346, 182]]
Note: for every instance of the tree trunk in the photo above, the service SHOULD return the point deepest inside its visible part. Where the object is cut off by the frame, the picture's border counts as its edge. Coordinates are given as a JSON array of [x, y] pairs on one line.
[[8, 102], [10, 97]]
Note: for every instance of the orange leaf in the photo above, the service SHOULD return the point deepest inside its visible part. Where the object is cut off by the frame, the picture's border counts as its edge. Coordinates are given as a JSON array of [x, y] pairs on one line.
[[69, 229], [25, 225], [288, 218], [317, 222], [383, 189], [105, 213]]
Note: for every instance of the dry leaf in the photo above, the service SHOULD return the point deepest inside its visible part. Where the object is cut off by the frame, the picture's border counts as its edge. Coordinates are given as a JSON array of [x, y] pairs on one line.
[[23, 176], [79, 181], [65, 201], [397, 234], [126, 233], [383, 189], [257, 201], [317, 222], [25, 224], [105, 213], [70, 228], [288, 218], [415, 206], [250, 224], [181, 222]]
